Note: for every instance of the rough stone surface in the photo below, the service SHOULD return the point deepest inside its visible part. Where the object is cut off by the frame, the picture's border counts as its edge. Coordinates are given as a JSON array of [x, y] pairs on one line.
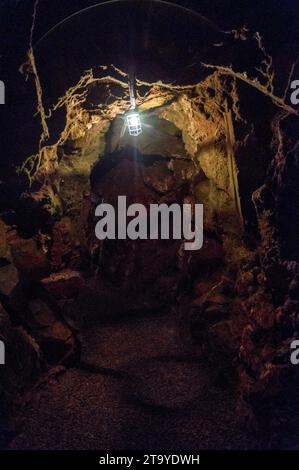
[[23, 364], [64, 284], [30, 261], [8, 273]]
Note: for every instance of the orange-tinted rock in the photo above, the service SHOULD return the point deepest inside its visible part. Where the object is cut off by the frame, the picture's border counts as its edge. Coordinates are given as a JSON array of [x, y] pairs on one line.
[[64, 284], [64, 248], [30, 261]]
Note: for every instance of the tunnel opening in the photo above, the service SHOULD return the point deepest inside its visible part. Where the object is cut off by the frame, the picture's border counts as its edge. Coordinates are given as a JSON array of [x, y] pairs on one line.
[[183, 155]]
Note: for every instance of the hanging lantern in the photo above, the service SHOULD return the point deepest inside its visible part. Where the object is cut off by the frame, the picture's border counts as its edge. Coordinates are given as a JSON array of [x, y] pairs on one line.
[[134, 123], [133, 117]]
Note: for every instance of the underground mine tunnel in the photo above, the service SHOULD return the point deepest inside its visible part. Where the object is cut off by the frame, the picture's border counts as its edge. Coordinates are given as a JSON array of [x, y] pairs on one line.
[[134, 344]]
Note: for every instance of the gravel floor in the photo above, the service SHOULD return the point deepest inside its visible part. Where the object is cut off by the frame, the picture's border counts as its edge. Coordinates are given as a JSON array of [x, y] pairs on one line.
[[162, 397]]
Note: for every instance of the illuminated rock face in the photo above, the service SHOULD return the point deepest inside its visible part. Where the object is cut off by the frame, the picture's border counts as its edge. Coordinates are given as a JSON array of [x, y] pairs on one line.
[[184, 152]]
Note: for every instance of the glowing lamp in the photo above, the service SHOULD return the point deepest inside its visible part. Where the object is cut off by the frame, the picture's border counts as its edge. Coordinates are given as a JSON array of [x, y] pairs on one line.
[[134, 123]]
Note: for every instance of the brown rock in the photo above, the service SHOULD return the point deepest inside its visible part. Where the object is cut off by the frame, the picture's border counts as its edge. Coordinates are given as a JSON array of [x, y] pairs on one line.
[[57, 343], [29, 260], [8, 273], [206, 301], [9, 279], [215, 313], [65, 284], [159, 178], [64, 247], [22, 360], [54, 336]]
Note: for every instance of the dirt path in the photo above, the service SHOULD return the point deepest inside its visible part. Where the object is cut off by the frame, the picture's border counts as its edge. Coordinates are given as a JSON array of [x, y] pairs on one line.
[[164, 397]]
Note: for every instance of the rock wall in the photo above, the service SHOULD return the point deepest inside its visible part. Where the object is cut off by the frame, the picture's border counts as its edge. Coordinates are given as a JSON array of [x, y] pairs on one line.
[[268, 380]]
